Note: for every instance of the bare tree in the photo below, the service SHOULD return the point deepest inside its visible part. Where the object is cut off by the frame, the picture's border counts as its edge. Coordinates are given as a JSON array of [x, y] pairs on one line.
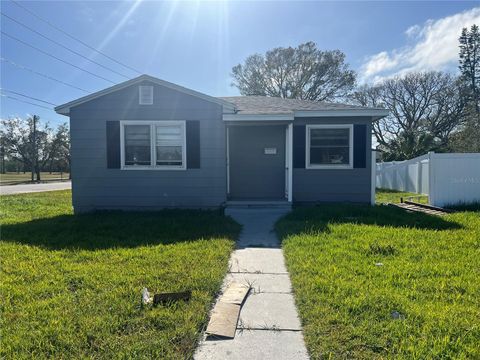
[[304, 72], [425, 108]]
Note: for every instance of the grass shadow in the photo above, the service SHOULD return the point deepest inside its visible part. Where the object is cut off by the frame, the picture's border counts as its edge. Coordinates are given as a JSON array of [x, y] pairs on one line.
[[117, 229], [317, 218]]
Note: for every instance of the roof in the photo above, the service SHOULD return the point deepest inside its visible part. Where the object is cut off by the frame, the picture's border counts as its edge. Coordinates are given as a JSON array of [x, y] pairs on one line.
[[253, 108], [277, 105], [246, 108], [65, 108]]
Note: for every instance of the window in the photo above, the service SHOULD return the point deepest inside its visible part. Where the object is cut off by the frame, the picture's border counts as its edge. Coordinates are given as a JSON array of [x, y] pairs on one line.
[[329, 146], [169, 144], [153, 145], [137, 145], [145, 95]]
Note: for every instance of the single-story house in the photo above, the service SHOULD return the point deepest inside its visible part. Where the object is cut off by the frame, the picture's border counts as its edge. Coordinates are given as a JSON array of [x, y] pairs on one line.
[[149, 144]]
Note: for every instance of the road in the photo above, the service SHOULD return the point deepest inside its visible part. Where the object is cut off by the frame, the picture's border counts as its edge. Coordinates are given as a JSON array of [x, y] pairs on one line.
[[29, 188]]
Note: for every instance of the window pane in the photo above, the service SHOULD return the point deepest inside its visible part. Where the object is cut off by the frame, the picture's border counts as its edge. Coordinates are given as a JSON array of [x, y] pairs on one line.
[[169, 155], [329, 137], [169, 144], [329, 147], [137, 145]]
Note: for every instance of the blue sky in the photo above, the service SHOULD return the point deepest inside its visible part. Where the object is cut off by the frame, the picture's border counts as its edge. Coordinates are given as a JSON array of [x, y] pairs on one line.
[[195, 44]]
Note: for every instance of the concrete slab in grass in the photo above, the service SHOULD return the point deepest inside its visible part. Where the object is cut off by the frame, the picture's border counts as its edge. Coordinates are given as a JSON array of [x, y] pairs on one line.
[[258, 261], [255, 344], [278, 283], [276, 311]]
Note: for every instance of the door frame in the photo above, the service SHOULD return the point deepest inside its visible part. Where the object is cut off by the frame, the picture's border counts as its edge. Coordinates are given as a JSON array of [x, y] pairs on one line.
[[288, 158]]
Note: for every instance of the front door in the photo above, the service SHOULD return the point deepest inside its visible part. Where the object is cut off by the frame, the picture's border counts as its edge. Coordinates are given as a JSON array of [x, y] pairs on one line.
[[257, 162]]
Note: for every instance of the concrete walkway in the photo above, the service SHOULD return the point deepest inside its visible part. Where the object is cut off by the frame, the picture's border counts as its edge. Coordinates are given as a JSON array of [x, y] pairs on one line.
[[269, 327], [29, 188]]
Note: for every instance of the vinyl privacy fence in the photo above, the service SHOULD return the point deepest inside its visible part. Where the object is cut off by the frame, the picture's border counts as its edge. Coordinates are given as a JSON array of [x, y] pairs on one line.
[[446, 178]]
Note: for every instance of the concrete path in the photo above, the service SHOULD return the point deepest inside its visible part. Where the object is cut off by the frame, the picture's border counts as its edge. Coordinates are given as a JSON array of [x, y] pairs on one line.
[[269, 327], [29, 188]]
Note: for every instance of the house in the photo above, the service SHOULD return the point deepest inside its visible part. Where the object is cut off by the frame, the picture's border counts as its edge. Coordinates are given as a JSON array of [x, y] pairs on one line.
[[148, 144]]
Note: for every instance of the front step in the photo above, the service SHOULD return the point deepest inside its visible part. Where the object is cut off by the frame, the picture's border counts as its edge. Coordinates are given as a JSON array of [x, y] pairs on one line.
[[259, 205]]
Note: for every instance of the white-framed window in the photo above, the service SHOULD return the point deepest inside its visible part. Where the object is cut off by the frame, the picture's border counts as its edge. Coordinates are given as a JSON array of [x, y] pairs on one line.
[[157, 145], [329, 146], [145, 95]]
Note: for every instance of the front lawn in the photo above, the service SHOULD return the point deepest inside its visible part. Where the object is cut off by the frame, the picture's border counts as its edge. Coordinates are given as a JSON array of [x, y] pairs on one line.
[[378, 282], [70, 285]]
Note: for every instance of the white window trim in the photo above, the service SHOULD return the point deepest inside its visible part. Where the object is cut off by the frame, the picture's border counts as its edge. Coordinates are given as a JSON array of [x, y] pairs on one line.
[[329, 166], [153, 152], [140, 98]]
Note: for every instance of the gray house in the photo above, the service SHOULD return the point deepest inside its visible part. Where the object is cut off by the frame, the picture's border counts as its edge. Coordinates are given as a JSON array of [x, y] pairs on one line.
[[148, 144]]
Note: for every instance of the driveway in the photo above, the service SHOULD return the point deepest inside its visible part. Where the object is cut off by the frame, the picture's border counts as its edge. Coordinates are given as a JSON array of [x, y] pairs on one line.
[[29, 188]]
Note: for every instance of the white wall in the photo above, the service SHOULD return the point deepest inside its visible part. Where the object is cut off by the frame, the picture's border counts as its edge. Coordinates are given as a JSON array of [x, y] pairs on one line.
[[445, 178]]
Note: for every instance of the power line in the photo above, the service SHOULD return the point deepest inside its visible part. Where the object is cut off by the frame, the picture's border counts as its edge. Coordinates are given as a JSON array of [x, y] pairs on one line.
[[74, 38], [63, 46], [41, 74], [56, 58], [27, 96], [24, 101]]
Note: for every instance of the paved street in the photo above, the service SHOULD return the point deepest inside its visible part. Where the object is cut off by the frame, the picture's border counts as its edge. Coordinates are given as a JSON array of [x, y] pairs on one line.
[[29, 188]]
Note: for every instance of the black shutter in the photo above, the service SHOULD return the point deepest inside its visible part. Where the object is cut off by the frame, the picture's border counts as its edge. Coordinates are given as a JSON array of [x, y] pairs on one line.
[[113, 144], [299, 146], [193, 144], [360, 146]]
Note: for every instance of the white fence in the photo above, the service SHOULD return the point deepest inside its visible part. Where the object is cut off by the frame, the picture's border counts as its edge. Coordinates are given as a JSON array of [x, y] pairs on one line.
[[445, 178]]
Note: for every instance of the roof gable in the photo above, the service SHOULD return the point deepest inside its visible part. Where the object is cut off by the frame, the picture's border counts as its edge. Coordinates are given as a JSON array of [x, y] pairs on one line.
[[65, 108]]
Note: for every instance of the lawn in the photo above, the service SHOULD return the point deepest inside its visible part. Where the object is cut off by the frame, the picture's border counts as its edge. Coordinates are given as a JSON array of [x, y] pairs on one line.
[[18, 178], [71, 285], [378, 282], [393, 196]]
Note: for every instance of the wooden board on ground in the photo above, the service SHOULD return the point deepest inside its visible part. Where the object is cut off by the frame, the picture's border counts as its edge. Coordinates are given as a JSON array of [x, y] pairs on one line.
[[235, 293], [420, 209], [168, 297], [224, 318], [223, 322]]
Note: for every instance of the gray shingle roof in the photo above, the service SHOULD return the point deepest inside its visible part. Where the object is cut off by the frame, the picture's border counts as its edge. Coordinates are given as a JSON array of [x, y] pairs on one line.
[[276, 105]]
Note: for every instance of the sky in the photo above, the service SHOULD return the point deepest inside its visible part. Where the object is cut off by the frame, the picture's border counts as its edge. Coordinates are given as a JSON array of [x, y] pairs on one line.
[[196, 43]]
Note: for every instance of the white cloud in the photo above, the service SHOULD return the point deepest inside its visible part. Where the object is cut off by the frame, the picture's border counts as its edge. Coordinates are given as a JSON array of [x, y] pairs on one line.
[[434, 46]]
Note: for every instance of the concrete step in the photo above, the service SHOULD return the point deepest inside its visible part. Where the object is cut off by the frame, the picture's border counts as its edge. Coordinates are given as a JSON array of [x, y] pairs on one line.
[[259, 205]]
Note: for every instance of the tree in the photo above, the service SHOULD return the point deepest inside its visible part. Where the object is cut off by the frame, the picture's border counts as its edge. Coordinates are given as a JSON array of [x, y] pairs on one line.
[[304, 72], [31, 144], [62, 145], [425, 109], [467, 139], [470, 63]]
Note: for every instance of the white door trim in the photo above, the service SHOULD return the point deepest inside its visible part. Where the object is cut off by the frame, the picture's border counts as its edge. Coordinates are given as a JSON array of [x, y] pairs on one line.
[[289, 158], [228, 161]]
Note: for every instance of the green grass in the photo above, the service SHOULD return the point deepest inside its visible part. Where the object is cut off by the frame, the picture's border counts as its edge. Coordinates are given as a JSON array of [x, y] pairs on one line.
[[18, 178], [430, 275], [393, 196], [70, 285]]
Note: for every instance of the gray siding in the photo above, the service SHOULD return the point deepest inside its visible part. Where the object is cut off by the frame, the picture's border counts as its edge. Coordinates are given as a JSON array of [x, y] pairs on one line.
[[323, 185], [96, 187]]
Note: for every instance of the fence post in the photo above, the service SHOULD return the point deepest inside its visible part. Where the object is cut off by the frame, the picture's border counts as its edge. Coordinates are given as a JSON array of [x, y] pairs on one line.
[[419, 177], [431, 180]]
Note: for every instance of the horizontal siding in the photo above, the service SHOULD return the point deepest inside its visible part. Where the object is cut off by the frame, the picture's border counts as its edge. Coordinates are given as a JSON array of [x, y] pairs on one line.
[[125, 202], [323, 185], [96, 187]]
